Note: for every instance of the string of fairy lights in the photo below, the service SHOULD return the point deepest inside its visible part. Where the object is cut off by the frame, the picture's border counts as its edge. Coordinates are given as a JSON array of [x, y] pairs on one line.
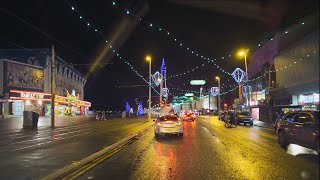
[[170, 35], [90, 23], [286, 67], [179, 43]]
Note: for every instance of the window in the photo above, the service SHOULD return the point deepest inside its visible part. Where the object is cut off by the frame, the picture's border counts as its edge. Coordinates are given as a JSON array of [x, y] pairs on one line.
[[244, 113], [290, 117], [302, 118], [171, 118]]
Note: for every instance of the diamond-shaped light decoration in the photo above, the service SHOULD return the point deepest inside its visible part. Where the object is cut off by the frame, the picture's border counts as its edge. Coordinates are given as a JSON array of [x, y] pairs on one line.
[[165, 92], [157, 78], [214, 91], [238, 75]]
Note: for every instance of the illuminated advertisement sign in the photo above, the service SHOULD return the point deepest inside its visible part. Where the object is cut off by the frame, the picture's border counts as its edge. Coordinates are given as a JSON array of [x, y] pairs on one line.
[[24, 76], [310, 98]]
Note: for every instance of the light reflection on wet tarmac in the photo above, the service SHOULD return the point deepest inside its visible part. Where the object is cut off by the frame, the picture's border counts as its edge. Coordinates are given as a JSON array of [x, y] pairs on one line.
[[208, 150]]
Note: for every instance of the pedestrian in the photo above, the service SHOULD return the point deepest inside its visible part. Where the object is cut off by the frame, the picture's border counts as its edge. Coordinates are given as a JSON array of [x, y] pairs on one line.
[[103, 117]]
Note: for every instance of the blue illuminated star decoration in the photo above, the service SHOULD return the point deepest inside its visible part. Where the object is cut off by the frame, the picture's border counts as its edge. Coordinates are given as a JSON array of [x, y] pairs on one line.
[[238, 75]]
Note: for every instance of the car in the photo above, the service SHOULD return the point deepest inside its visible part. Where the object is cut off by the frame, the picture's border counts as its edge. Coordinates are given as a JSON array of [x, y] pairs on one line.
[[189, 116], [244, 117], [168, 124], [301, 128]]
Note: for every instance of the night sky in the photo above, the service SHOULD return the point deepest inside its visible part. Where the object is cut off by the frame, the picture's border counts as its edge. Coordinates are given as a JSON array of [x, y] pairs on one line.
[[211, 33]]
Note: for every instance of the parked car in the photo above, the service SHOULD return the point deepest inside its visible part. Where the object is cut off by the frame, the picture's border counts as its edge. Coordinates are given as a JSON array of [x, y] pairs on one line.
[[244, 117], [300, 127], [189, 116], [168, 124]]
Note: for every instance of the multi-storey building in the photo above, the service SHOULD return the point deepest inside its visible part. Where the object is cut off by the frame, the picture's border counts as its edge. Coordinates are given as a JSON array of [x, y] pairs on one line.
[[284, 71], [25, 83]]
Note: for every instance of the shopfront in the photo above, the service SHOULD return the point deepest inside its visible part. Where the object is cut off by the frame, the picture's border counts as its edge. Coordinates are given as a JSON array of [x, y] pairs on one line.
[[41, 103], [309, 101]]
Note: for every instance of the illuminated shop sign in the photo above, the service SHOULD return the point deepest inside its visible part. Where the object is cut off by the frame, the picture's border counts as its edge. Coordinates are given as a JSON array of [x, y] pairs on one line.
[[31, 95], [310, 98], [309, 107], [25, 95]]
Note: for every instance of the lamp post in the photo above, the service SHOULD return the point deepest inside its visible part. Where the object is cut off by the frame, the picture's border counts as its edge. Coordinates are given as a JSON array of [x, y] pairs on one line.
[[148, 58], [243, 53], [218, 79]]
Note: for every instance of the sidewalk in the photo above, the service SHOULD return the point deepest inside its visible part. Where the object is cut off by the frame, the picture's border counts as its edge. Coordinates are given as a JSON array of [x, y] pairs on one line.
[[34, 153], [15, 123]]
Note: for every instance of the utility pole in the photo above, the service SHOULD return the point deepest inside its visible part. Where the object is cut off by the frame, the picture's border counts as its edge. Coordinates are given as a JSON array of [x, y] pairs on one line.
[[219, 101], [52, 87], [149, 113]]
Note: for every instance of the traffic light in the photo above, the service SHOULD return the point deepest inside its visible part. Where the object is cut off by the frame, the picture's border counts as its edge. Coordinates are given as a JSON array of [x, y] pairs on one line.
[[225, 106]]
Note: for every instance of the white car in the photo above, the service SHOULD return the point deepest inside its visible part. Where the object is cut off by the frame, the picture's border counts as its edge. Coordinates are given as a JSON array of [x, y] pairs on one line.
[[168, 124]]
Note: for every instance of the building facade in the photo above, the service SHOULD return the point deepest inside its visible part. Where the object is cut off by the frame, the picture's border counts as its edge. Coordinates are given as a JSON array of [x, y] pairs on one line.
[[25, 83], [285, 70]]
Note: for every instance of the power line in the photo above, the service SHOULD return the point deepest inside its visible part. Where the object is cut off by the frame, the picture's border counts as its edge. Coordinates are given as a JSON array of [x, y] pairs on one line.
[[39, 30]]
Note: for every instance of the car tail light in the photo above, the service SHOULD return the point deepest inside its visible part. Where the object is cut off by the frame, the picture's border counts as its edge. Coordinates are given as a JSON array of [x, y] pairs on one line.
[[179, 123], [159, 124]]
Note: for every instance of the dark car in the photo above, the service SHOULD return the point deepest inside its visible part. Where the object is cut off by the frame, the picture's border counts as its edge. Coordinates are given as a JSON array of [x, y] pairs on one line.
[[300, 127], [244, 117]]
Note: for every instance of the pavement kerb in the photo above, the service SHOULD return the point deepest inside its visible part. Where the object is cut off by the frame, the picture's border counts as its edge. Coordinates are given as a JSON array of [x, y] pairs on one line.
[[86, 160]]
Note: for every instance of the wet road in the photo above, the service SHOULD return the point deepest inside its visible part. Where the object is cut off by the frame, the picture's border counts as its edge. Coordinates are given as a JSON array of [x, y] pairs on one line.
[[208, 150], [34, 153]]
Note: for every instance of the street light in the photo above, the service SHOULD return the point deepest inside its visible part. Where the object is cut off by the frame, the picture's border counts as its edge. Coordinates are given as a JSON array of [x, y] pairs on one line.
[[244, 53], [218, 79], [148, 58]]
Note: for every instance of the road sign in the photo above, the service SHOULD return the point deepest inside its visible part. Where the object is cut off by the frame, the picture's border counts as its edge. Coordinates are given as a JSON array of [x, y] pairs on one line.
[[189, 94], [197, 82]]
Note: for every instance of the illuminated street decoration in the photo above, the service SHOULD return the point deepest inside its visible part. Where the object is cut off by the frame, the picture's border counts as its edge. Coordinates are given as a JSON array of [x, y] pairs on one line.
[[165, 92], [157, 78], [245, 90], [214, 91], [163, 84], [140, 109], [127, 107], [238, 75], [155, 26], [72, 98]]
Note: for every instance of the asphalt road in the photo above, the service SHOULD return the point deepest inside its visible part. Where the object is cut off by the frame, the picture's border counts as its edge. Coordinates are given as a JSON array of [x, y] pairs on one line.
[[35, 153], [208, 150]]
